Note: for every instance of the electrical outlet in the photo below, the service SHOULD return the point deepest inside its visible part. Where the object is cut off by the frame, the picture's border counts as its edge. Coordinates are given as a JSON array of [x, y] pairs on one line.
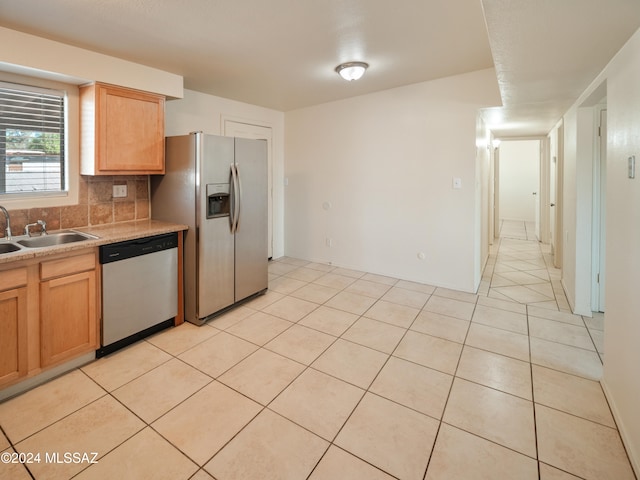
[[328, 242], [119, 191]]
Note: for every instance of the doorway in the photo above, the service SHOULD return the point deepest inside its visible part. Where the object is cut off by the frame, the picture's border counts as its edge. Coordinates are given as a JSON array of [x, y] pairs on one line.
[[519, 184], [246, 129]]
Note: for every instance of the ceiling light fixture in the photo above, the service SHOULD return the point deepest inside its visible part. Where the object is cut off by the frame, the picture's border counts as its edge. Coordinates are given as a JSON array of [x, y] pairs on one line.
[[351, 70]]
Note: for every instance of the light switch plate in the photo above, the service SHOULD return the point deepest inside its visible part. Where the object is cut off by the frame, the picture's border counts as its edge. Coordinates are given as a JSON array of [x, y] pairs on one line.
[[457, 182]]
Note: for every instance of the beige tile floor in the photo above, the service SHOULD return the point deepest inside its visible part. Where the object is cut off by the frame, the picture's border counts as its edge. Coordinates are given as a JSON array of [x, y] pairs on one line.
[[339, 374]]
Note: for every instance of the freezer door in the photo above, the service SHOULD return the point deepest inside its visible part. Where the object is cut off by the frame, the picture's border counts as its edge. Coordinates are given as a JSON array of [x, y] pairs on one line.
[[216, 267], [216, 155], [215, 240], [251, 234]]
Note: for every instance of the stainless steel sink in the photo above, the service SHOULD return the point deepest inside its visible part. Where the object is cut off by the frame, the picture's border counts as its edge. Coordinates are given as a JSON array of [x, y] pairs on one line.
[[55, 238], [8, 247]]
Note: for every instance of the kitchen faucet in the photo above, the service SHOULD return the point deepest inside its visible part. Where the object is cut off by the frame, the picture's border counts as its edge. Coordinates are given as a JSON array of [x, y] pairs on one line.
[[42, 224], [7, 230]]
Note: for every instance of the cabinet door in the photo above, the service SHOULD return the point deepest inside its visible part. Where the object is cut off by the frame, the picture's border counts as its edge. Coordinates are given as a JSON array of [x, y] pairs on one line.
[[68, 317], [13, 336], [130, 131]]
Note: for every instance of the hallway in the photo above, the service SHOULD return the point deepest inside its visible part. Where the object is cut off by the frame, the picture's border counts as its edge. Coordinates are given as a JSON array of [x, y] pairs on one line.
[[336, 373], [520, 269]]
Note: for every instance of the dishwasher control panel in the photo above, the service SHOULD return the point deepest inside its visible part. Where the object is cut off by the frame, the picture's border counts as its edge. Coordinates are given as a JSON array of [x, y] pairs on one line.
[[114, 252]]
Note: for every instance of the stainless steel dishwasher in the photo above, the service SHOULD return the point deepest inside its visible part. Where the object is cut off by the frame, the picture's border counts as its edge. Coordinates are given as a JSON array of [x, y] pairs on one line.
[[139, 289]]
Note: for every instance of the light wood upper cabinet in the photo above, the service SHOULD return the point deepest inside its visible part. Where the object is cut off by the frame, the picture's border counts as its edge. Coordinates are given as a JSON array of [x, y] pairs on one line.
[[122, 131]]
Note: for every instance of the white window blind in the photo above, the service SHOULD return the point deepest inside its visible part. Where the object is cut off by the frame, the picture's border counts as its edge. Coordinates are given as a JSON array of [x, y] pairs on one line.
[[32, 156]]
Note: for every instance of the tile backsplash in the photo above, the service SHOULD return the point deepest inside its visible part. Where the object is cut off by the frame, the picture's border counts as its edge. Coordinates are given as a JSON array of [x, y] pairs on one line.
[[96, 205]]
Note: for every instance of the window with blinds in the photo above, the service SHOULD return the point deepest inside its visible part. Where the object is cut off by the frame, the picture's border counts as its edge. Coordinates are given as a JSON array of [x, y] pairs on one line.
[[32, 139]]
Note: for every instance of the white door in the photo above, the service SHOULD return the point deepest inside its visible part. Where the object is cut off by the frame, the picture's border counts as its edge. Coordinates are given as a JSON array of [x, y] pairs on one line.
[[237, 128], [519, 177]]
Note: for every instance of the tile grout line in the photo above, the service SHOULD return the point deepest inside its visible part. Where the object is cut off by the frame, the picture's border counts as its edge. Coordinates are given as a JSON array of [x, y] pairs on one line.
[[533, 397], [453, 378], [365, 391]]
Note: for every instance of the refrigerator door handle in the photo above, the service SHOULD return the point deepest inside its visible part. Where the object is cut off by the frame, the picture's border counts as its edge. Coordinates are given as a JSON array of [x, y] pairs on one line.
[[235, 185], [232, 195]]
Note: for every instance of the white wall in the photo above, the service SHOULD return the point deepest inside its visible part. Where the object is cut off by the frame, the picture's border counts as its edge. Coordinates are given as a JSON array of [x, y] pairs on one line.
[[30, 55], [622, 322], [484, 198], [569, 206], [202, 112], [519, 178], [37, 61], [383, 165]]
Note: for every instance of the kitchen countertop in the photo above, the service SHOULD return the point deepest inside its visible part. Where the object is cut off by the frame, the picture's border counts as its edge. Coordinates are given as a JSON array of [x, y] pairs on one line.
[[110, 233]]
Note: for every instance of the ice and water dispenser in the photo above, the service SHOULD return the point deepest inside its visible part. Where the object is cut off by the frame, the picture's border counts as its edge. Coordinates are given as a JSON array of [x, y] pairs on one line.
[[218, 201]]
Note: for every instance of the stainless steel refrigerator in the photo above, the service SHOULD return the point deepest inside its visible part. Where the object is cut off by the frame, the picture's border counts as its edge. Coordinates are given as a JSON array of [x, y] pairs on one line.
[[218, 187]]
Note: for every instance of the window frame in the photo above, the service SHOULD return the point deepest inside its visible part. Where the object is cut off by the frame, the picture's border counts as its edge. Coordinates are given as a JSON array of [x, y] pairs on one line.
[[70, 196], [63, 185]]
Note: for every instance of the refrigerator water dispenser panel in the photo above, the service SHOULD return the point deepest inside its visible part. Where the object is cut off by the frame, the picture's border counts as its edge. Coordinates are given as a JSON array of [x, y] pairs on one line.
[[217, 200]]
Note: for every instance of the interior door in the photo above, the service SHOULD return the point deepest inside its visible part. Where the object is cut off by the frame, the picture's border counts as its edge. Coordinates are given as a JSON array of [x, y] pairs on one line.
[[519, 180], [235, 128]]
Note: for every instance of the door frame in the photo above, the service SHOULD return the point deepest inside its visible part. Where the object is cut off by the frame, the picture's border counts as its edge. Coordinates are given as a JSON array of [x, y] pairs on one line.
[[496, 178], [496, 191], [598, 270], [544, 201]]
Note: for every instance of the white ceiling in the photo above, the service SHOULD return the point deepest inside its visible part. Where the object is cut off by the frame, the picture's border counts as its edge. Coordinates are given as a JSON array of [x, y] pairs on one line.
[[547, 52], [281, 54]]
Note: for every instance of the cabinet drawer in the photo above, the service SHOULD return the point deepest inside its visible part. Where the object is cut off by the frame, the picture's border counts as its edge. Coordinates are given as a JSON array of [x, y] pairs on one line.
[[13, 278], [67, 266]]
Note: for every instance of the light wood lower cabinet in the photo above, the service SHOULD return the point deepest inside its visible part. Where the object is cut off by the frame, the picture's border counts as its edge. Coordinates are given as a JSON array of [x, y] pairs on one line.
[[67, 317], [48, 313], [13, 325]]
